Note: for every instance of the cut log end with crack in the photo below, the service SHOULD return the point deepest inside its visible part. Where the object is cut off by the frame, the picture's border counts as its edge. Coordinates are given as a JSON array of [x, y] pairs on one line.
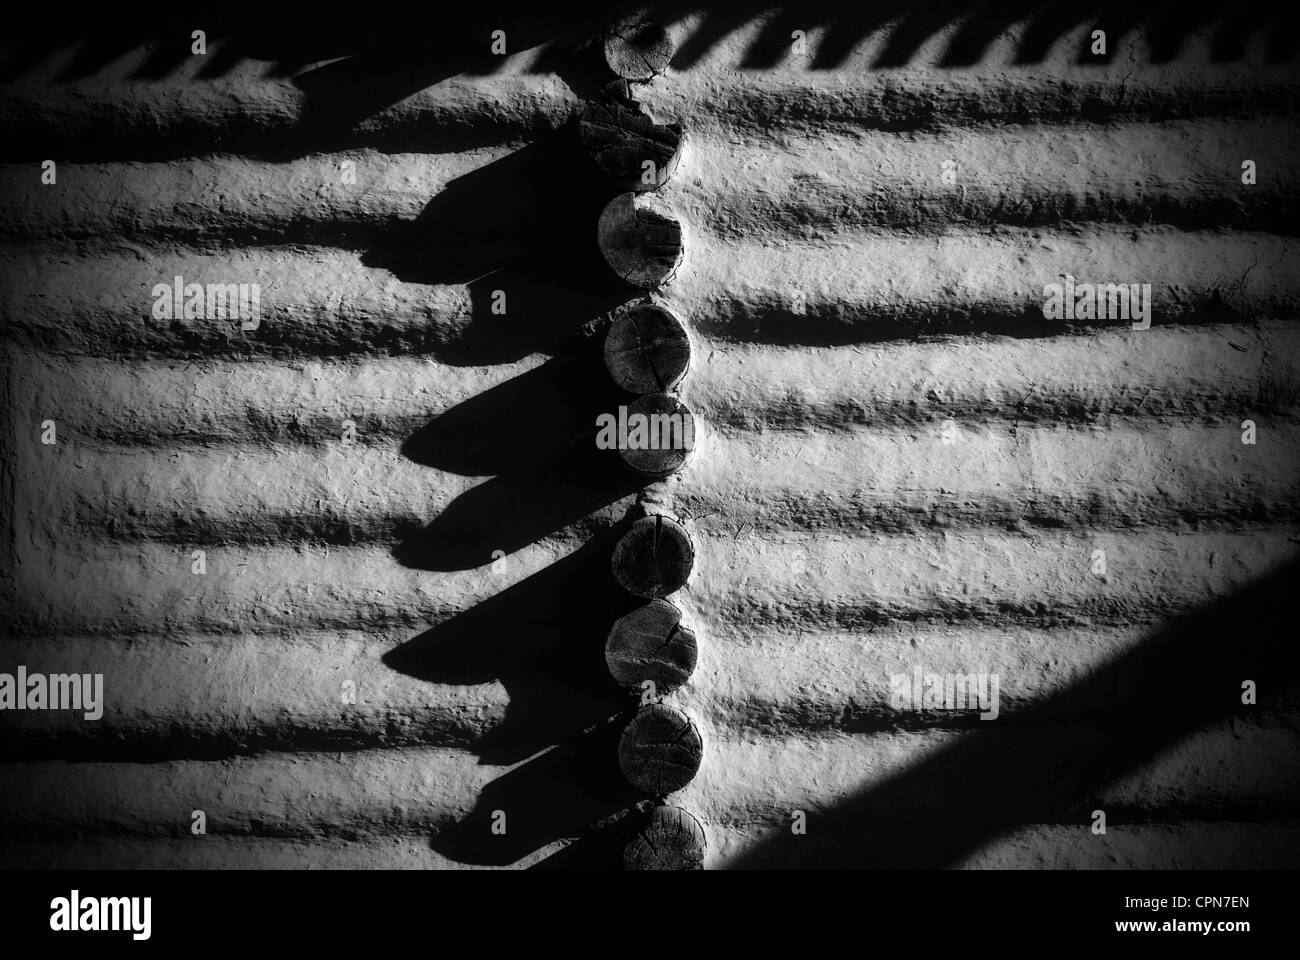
[[647, 349], [671, 839], [627, 145], [641, 239], [654, 557], [650, 644], [661, 750], [637, 50], [661, 436]]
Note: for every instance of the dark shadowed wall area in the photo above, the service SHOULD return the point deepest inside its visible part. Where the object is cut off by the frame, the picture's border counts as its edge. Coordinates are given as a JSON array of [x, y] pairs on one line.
[[345, 572]]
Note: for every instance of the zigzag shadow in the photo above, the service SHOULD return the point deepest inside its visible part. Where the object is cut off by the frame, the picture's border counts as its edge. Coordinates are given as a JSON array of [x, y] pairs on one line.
[[573, 791], [543, 640], [349, 71], [534, 436], [511, 426], [396, 51], [543, 637]]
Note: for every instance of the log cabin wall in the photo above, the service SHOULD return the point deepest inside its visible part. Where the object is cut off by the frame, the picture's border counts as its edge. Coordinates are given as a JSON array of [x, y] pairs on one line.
[[345, 569]]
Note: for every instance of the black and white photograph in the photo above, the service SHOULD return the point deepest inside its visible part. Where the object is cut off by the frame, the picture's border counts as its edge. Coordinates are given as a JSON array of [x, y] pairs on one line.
[[602, 438]]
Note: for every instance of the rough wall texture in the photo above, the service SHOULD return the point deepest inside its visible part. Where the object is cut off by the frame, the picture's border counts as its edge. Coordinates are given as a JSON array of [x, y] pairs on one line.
[[904, 463]]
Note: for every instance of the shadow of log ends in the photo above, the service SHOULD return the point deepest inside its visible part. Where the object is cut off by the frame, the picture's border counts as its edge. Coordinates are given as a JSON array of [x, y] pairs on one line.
[[572, 791], [537, 279], [560, 492], [542, 639], [529, 208], [517, 424], [518, 232]]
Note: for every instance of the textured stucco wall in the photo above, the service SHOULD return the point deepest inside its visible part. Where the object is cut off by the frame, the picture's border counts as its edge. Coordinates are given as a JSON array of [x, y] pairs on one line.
[[903, 463]]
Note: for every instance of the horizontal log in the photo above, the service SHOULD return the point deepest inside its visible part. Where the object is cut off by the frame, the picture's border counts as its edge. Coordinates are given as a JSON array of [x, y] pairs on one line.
[[347, 199], [1110, 379], [1012, 481], [375, 793], [1024, 176], [861, 582], [152, 588], [424, 792], [760, 781], [819, 680], [1106, 379], [323, 302], [798, 582], [944, 476], [871, 287], [240, 853], [328, 302], [108, 116], [189, 695], [1187, 174], [192, 696]]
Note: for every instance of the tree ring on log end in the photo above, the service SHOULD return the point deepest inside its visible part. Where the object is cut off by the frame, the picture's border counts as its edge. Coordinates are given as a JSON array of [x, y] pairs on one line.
[[634, 151], [664, 430], [650, 643], [638, 50], [647, 349], [641, 239], [660, 750], [654, 557], [671, 839]]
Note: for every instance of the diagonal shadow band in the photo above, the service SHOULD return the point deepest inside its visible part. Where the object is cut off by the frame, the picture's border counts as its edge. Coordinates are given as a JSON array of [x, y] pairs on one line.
[[1186, 676]]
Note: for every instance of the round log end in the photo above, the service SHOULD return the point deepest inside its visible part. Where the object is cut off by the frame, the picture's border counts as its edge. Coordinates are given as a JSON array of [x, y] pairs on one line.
[[638, 50], [671, 839], [633, 151], [641, 239], [661, 750], [654, 557], [650, 643], [647, 349], [660, 436]]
